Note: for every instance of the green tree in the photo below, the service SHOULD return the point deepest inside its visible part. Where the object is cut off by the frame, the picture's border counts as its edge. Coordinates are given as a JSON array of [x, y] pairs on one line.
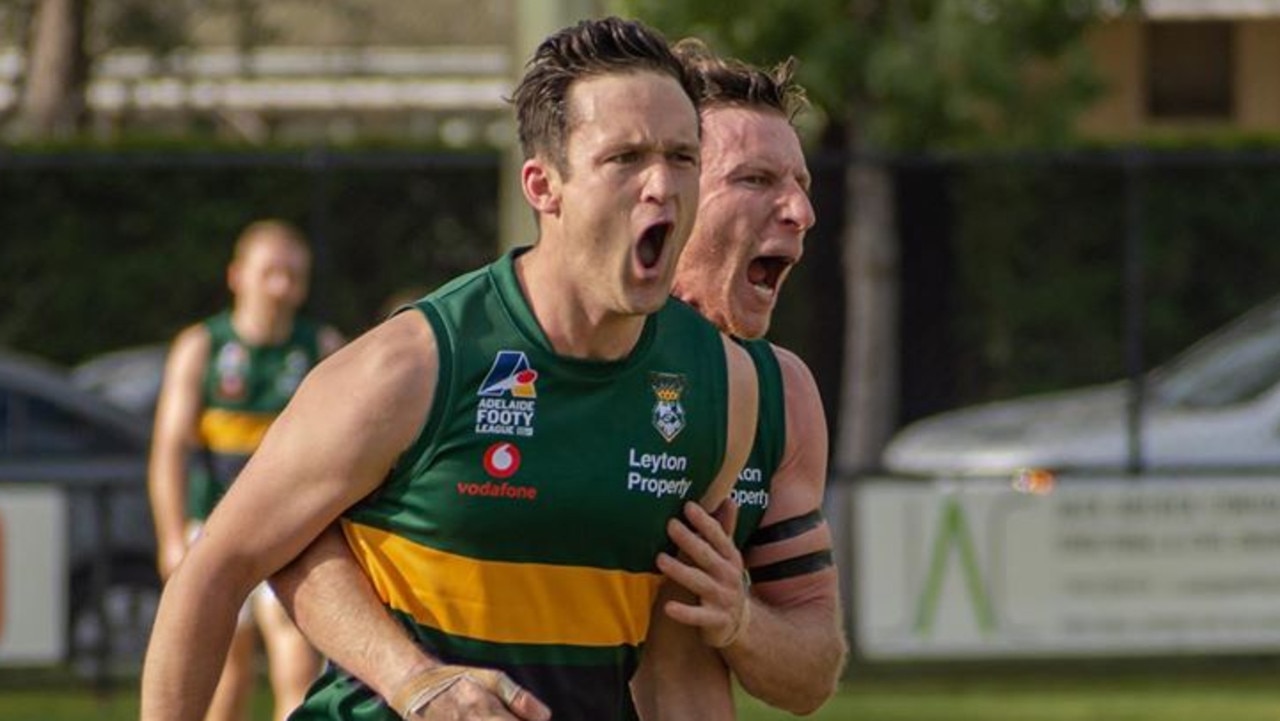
[[903, 75]]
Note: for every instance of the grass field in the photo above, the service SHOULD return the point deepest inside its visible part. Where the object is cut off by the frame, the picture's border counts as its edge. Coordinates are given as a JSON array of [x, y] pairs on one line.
[[1200, 690]]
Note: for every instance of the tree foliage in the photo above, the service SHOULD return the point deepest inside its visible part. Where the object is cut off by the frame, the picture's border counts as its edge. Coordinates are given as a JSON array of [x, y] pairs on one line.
[[916, 74]]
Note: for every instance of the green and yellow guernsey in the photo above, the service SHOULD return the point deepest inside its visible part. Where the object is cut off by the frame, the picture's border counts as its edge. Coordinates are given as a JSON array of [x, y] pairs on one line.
[[520, 530], [752, 489], [245, 387]]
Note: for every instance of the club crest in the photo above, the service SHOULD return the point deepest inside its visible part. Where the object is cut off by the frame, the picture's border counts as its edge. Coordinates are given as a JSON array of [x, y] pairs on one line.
[[668, 414]]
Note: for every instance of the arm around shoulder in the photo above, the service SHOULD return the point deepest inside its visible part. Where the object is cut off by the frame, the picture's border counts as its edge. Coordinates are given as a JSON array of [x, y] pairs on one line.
[[794, 649]]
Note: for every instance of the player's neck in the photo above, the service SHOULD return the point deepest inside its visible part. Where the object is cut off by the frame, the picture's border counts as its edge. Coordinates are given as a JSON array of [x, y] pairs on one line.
[[576, 325], [261, 327]]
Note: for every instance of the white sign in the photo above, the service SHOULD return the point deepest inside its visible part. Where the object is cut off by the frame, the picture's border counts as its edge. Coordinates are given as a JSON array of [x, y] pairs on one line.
[[1097, 567], [33, 575]]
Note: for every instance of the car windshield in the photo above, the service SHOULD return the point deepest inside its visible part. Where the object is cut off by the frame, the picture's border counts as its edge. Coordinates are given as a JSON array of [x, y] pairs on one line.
[[1237, 364]]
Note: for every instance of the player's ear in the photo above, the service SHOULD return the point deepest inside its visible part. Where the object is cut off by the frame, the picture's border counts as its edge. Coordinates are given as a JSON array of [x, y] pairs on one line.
[[541, 184], [234, 272]]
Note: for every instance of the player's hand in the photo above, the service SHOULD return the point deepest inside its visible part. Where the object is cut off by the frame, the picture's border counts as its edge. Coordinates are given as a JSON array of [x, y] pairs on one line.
[[711, 568], [483, 695]]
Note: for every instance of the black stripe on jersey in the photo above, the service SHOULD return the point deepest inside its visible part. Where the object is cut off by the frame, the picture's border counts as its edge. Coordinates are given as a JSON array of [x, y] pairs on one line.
[[792, 567], [783, 530]]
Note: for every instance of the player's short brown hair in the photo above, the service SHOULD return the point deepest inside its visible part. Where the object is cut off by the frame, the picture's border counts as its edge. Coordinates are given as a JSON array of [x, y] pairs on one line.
[[588, 49], [726, 81]]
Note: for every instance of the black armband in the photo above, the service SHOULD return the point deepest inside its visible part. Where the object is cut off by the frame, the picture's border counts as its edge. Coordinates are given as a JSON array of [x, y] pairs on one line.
[[783, 530], [792, 567]]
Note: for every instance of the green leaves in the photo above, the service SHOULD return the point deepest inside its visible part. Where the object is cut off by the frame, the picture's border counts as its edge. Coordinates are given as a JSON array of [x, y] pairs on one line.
[[916, 74]]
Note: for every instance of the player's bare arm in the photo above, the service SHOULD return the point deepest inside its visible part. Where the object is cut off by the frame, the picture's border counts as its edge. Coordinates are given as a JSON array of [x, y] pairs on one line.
[[681, 676], [177, 408], [332, 601], [791, 651], [332, 445]]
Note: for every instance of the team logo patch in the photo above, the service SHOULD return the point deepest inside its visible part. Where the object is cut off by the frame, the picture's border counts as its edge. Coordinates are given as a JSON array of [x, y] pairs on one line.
[[668, 414], [508, 397], [511, 376], [502, 460], [231, 367]]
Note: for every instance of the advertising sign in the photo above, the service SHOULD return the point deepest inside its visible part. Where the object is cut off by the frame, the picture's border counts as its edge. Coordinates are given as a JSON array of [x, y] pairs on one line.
[[1095, 567], [33, 575]]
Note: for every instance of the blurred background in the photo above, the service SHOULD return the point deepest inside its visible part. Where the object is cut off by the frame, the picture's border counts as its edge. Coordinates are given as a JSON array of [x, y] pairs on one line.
[[1036, 300]]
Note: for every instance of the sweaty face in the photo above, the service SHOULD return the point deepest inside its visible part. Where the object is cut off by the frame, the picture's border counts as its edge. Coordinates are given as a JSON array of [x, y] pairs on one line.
[[272, 273], [629, 190], [752, 218]]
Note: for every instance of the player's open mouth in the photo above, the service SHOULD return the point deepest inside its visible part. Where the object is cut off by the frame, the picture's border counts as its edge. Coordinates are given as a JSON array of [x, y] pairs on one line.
[[652, 241], [765, 272]]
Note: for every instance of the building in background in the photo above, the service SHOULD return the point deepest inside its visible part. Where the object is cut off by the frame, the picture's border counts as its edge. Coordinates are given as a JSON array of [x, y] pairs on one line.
[[1188, 65]]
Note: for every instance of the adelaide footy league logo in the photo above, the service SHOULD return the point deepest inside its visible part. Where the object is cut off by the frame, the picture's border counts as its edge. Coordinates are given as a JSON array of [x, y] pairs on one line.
[[668, 414], [231, 368], [510, 375], [508, 397]]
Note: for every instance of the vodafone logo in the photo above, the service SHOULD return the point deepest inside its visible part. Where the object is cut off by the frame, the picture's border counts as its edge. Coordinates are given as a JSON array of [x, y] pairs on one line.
[[502, 460]]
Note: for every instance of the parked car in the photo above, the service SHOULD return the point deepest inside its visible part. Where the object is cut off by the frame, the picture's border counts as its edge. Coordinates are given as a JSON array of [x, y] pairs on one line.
[[1216, 406], [129, 377], [54, 433]]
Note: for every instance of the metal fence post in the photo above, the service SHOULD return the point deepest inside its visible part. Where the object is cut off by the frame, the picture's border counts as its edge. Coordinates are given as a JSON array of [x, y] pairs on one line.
[[1134, 300]]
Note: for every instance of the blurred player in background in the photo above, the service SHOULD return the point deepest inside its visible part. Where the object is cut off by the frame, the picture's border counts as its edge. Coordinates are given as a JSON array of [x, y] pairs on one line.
[[225, 380]]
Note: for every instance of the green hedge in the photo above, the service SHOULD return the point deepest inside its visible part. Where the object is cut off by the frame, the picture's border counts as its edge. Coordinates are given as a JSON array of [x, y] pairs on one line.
[[99, 251], [102, 249]]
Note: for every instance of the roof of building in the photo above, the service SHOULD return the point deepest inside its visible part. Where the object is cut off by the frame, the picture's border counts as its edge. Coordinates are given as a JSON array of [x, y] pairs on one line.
[[1210, 9]]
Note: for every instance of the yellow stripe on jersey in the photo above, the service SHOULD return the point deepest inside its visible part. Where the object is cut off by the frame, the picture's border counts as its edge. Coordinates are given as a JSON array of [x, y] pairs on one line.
[[226, 431], [505, 602]]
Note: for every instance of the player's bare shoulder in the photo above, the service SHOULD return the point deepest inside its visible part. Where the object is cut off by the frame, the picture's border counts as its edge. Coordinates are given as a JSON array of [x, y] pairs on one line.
[[395, 362], [806, 420], [796, 376], [357, 410], [189, 347]]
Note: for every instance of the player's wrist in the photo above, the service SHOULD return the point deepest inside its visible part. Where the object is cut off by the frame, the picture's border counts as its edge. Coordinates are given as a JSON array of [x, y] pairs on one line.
[[414, 695], [743, 618], [423, 686]]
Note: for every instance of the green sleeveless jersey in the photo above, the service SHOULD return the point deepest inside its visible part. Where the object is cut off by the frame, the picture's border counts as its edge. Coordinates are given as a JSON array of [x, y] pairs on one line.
[[245, 387], [520, 530], [751, 492]]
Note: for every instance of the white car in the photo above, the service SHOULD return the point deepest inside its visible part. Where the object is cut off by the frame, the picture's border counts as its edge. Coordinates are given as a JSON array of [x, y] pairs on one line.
[[1215, 407]]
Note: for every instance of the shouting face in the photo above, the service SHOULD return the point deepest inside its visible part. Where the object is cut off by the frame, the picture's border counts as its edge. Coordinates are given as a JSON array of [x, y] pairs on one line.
[[752, 218], [621, 204]]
